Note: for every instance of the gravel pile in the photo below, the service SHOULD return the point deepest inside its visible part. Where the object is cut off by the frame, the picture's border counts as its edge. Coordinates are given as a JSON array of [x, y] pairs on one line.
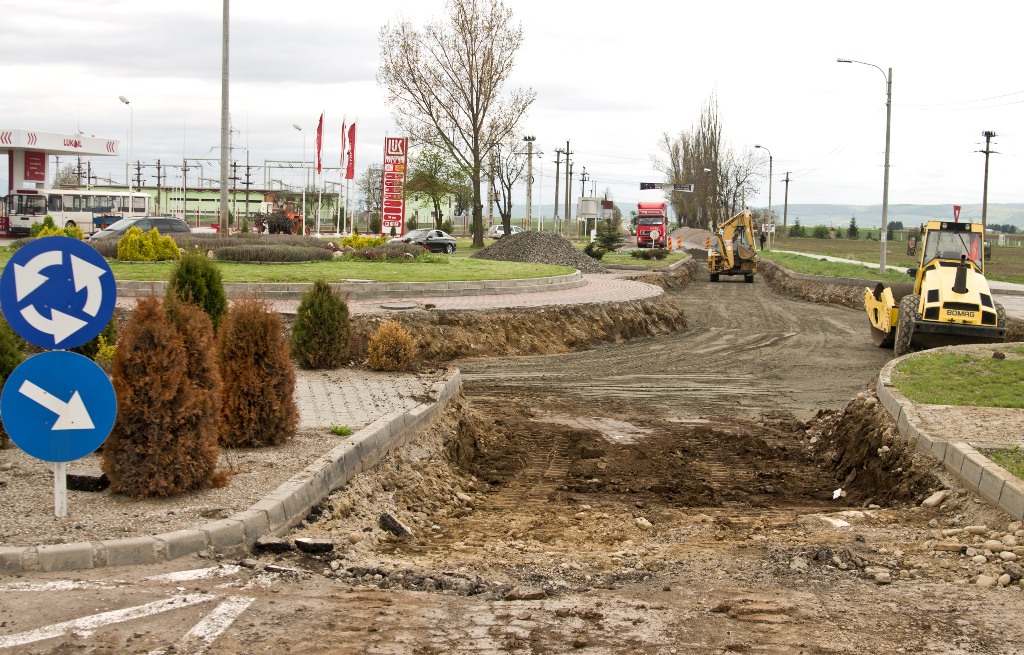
[[540, 248]]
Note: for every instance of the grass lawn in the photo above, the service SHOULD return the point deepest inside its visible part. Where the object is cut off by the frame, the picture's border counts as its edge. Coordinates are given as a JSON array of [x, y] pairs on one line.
[[1006, 264], [978, 380], [1011, 459]]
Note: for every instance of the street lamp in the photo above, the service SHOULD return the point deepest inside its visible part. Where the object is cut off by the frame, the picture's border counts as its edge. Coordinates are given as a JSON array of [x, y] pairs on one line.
[[131, 129], [770, 220], [304, 178], [888, 127]]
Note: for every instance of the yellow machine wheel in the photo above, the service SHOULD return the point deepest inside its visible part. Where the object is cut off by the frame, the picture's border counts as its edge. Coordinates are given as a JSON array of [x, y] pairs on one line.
[[905, 325]]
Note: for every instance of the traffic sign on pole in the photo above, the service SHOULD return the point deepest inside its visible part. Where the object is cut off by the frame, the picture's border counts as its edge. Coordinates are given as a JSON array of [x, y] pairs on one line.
[[57, 292], [58, 406], [688, 188]]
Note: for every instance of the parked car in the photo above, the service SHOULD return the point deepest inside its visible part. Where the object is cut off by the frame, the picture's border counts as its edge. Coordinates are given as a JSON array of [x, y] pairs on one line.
[[432, 240], [497, 231], [165, 224]]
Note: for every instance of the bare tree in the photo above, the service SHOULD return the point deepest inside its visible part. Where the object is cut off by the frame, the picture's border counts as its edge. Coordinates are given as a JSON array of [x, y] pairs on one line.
[[370, 183], [445, 84], [694, 157], [67, 177], [509, 164]]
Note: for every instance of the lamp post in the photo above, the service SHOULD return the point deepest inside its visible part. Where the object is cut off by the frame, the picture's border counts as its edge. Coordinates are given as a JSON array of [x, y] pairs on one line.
[[304, 180], [770, 220], [131, 129], [888, 127]]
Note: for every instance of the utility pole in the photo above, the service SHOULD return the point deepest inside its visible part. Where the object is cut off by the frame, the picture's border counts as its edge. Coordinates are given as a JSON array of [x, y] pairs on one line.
[[558, 163], [158, 184], [568, 195], [490, 189], [529, 177], [138, 174], [785, 210], [583, 182], [568, 187], [184, 189], [989, 135], [248, 183]]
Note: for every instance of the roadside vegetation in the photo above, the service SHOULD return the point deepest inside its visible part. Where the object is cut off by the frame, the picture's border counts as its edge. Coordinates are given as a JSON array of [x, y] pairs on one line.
[[1011, 459]]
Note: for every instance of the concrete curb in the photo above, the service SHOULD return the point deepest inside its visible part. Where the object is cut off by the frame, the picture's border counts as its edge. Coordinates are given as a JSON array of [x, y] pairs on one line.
[[978, 473], [280, 510], [368, 290]]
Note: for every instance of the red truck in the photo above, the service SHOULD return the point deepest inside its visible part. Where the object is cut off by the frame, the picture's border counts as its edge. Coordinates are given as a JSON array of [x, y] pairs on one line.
[[652, 224]]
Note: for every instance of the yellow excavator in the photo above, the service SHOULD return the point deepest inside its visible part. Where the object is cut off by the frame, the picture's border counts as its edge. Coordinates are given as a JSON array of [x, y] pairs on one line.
[[950, 302], [732, 250]]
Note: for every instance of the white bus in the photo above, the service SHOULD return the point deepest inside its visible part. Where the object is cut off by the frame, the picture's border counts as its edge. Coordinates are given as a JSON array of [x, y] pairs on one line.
[[90, 210]]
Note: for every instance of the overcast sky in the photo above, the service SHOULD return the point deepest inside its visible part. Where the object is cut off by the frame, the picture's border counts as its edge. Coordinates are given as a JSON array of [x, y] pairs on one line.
[[609, 81]]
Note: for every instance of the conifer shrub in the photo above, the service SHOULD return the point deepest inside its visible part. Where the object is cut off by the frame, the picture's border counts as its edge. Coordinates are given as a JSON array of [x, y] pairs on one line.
[[321, 329], [258, 401], [11, 354], [392, 348], [164, 440], [108, 337], [197, 280], [134, 247]]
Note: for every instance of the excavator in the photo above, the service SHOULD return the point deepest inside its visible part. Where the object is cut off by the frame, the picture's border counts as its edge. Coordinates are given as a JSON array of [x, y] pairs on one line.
[[950, 302], [732, 250]]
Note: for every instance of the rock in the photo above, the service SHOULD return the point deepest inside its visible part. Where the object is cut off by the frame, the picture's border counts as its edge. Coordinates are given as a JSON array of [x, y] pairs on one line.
[[87, 478], [312, 546], [998, 355], [950, 547], [1013, 570], [994, 545], [949, 532], [935, 499], [1007, 556], [986, 581], [979, 559], [525, 593], [976, 529], [6, 466], [1014, 526], [270, 544], [799, 563], [390, 523], [883, 578], [1003, 580], [1008, 540], [355, 537], [642, 523]]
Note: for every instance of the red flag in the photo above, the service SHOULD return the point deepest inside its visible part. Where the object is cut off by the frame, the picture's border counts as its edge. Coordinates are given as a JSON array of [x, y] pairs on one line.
[[341, 160], [319, 143], [956, 213], [350, 170]]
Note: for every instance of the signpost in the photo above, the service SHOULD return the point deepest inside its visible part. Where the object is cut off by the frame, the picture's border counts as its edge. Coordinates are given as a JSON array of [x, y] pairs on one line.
[[58, 406], [686, 188]]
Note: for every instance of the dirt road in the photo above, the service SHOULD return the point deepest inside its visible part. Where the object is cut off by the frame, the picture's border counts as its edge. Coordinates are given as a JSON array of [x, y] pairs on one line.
[[678, 494]]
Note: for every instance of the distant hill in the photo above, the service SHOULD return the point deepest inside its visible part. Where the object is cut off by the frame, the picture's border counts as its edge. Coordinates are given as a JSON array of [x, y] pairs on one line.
[[867, 215], [909, 215]]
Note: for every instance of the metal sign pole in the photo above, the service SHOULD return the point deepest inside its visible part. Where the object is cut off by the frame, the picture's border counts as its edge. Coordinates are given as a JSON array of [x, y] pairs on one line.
[[60, 489]]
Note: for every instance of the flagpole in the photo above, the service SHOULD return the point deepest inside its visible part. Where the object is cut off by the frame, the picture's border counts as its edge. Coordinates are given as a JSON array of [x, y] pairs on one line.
[[341, 172], [319, 169]]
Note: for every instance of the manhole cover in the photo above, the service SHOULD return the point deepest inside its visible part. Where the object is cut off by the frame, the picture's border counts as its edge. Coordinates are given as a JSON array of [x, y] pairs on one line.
[[398, 305]]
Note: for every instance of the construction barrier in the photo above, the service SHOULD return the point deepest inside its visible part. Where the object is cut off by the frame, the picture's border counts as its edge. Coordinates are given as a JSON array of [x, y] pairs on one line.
[[669, 240], [679, 243]]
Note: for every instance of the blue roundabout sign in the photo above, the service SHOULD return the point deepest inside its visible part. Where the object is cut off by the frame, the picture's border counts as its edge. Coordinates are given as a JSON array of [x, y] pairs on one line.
[[57, 292]]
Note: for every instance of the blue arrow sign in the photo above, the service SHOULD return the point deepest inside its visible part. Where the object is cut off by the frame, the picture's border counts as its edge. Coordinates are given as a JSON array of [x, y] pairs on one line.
[[57, 292], [58, 406]]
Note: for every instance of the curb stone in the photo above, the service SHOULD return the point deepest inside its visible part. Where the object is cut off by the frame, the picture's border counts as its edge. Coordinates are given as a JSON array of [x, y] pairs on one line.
[[978, 473]]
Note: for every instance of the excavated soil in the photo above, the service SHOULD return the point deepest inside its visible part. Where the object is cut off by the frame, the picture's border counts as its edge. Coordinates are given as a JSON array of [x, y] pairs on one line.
[[712, 473]]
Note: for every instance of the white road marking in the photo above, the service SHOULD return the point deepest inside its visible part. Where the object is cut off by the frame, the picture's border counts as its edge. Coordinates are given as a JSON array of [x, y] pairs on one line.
[[197, 574], [202, 635], [87, 624]]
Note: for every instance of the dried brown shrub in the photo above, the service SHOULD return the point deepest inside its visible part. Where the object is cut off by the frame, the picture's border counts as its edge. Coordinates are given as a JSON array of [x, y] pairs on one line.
[[392, 348], [258, 406], [164, 439]]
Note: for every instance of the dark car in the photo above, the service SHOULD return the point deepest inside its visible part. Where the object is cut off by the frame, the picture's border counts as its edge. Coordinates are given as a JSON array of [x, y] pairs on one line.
[[432, 240], [164, 224]]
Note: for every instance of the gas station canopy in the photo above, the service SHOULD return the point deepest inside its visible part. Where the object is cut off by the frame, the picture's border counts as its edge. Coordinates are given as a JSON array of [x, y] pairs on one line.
[[28, 152]]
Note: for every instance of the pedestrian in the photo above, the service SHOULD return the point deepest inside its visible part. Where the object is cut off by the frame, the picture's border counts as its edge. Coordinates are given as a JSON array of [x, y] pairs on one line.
[[762, 239]]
